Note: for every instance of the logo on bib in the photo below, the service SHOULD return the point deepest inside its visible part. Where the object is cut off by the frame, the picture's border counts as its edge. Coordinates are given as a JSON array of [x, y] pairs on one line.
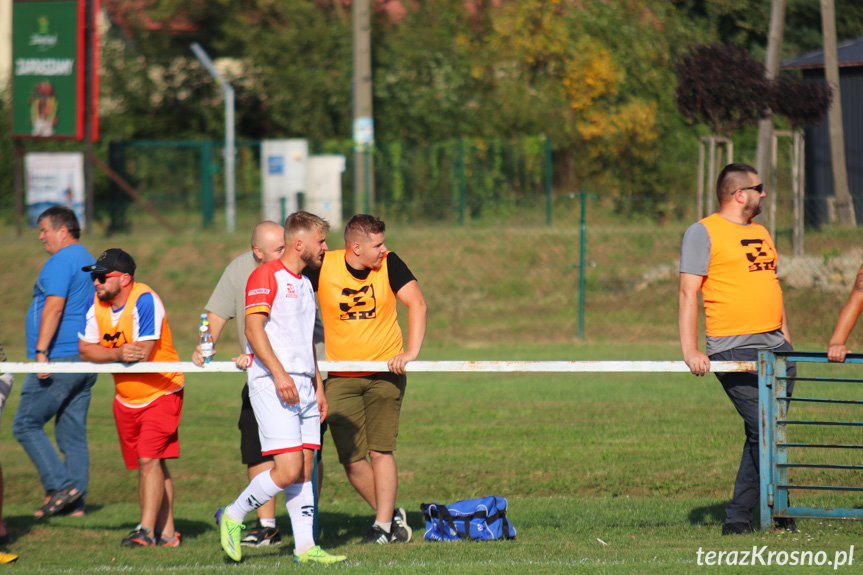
[[761, 257], [116, 340], [358, 304]]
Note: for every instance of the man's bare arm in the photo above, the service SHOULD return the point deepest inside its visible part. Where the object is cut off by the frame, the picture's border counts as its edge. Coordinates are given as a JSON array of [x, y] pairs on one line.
[[836, 349], [128, 353], [412, 296], [687, 323], [52, 313]]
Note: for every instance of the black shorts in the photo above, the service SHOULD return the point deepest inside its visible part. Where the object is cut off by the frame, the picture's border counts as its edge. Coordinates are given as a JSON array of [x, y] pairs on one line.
[[250, 441]]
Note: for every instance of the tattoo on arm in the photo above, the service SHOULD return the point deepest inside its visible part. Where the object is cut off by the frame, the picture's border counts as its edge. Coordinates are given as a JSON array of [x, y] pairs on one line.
[[858, 283]]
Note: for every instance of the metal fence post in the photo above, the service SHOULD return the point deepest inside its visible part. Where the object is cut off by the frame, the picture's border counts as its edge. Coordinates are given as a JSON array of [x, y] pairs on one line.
[[207, 183], [766, 425], [548, 182], [367, 178], [780, 436], [461, 182], [581, 264]]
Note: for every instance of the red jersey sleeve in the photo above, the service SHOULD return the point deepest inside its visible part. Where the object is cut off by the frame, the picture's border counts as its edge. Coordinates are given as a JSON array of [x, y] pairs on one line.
[[261, 290]]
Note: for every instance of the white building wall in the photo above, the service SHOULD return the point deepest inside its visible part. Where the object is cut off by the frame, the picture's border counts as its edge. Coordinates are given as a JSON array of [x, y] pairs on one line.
[[5, 43]]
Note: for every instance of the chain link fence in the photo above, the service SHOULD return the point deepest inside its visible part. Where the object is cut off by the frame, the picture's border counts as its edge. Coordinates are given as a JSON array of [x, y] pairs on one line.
[[455, 181], [496, 250]]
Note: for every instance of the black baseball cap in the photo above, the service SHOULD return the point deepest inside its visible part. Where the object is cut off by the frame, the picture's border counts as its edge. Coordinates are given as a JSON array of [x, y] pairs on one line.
[[113, 260]]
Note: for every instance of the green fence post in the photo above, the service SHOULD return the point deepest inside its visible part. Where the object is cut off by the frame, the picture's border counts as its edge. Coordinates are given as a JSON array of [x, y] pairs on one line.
[[368, 180], [548, 180], [207, 207], [461, 182], [301, 201], [581, 265]]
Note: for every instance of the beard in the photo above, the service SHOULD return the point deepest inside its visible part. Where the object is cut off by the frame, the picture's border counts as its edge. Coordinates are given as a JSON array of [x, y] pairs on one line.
[[106, 294], [312, 260], [752, 210]]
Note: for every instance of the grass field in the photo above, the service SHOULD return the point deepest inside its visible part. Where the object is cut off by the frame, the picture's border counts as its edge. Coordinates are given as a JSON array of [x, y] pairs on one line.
[[605, 473], [612, 473]]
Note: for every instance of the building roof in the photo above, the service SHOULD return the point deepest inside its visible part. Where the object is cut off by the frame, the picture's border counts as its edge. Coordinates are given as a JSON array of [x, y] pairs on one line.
[[849, 52]]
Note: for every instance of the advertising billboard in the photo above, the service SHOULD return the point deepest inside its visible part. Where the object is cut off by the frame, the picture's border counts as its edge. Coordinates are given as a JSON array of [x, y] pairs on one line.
[[48, 69], [54, 179]]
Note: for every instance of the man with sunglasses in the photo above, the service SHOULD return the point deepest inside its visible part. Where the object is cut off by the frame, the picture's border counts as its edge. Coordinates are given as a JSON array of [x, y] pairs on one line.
[[60, 299], [126, 323], [731, 260]]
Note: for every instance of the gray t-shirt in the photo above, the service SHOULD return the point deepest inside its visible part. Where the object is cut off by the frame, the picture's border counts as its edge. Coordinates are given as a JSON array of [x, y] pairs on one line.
[[228, 300], [695, 260]]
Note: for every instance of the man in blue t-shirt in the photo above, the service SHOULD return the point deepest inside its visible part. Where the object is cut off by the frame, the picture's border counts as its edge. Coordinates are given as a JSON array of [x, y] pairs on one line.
[[61, 296]]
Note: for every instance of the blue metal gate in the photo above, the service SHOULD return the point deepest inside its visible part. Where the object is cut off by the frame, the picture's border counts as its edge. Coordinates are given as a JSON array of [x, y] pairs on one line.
[[778, 455]]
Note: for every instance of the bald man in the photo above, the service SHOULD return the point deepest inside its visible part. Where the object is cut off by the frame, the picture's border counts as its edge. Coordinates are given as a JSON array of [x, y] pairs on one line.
[[229, 302]]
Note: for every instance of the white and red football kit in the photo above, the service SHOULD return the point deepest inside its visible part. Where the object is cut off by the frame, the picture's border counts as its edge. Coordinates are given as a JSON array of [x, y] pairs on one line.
[[289, 303]]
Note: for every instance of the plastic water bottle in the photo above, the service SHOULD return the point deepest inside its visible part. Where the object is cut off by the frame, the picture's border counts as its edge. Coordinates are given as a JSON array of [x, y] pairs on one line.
[[206, 339]]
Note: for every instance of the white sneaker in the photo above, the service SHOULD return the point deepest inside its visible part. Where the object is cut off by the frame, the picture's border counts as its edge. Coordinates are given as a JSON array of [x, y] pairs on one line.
[[6, 382], [401, 531]]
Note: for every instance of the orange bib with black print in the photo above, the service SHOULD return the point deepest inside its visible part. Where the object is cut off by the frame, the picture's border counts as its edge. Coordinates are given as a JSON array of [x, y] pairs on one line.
[[359, 315], [741, 291], [137, 389]]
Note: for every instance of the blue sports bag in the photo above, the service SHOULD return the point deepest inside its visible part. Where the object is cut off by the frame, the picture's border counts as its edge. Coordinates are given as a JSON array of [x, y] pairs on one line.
[[477, 519]]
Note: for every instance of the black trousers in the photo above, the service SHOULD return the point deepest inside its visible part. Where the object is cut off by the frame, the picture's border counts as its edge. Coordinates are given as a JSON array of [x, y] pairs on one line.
[[742, 390]]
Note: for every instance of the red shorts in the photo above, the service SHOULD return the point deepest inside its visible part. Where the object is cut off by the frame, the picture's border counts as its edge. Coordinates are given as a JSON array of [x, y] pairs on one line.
[[150, 431]]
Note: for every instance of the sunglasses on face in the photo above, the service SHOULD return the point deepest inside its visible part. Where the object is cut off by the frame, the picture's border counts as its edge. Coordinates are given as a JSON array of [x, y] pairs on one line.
[[759, 188], [102, 277]]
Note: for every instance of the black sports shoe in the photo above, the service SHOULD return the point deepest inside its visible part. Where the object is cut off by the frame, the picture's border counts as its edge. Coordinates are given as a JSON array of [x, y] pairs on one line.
[[786, 523], [400, 531], [736, 528], [261, 536], [140, 537], [375, 535]]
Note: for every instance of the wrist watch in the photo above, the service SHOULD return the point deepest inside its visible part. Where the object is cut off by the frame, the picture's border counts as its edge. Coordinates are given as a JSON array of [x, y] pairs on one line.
[[42, 351]]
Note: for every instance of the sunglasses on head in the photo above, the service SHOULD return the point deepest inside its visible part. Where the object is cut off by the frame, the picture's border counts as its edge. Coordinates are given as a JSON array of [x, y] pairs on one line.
[[102, 277]]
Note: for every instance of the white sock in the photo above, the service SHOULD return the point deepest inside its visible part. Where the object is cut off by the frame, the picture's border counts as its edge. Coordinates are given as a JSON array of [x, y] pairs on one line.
[[300, 501], [268, 523], [385, 526], [260, 490]]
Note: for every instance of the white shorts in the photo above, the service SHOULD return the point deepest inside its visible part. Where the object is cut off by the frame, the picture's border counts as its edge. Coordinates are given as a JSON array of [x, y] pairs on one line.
[[284, 428]]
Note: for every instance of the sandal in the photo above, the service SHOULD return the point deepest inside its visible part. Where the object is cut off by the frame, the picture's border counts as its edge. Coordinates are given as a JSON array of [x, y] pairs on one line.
[[38, 514], [58, 501]]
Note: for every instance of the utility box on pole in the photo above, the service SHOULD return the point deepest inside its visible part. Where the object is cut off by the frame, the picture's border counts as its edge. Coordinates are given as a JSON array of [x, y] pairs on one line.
[[292, 180], [324, 189], [283, 177]]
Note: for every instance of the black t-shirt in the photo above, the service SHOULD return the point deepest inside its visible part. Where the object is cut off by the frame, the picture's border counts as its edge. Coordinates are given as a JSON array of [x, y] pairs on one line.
[[397, 270]]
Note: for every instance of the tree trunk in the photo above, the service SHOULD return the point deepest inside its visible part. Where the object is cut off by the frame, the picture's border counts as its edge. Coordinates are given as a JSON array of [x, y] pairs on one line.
[[765, 127], [844, 203]]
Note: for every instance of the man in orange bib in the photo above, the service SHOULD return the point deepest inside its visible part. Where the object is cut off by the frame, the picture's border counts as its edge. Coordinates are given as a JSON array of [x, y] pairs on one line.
[[732, 261], [126, 323], [358, 288]]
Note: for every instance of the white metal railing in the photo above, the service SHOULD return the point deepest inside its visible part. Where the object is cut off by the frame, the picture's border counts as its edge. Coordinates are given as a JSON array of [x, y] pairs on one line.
[[379, 366]]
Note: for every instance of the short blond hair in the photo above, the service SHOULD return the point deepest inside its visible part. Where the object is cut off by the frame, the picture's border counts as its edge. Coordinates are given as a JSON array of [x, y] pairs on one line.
[[305, 222]]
